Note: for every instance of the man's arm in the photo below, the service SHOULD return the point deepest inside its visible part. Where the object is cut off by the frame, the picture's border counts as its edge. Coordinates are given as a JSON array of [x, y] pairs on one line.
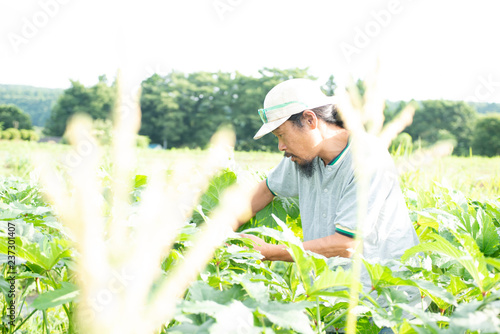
[[329, 246], [261, 197]]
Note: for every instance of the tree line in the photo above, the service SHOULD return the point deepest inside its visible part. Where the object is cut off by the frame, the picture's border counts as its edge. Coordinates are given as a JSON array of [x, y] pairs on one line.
[[37, 102], [185, 109]]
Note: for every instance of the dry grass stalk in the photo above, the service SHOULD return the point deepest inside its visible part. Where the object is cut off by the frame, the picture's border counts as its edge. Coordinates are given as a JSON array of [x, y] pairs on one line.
[[119, 256]]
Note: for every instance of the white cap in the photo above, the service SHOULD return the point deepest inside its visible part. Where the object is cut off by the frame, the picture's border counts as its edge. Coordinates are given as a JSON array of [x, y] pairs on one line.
[[288, 98]]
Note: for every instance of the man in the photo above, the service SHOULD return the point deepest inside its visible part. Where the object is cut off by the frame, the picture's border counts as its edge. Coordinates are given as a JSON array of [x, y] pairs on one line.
[[318, 168]]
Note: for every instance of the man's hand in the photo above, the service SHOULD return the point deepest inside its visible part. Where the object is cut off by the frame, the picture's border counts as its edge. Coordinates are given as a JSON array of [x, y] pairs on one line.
[[269, 251], [258, 244], [332, 245]]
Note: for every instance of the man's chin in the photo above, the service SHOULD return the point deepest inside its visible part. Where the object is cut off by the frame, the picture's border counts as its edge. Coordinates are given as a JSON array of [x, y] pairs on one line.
[[306, 167]]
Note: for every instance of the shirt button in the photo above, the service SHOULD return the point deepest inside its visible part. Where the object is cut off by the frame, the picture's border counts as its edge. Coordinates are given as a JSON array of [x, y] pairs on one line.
[[324, 215], [325, 191]]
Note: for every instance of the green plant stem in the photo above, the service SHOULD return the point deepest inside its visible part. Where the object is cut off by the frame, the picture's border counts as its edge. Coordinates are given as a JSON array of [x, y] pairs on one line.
[[261, 318], [52, 279], [68, 314], [336, 319], [24, 300], [218, 276], [45, 324], [422, 301], [25, 319], [370, 298], [318, 315]]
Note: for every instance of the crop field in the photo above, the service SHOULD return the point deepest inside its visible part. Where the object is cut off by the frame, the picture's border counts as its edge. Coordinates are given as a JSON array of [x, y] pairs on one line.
[[53, 272]]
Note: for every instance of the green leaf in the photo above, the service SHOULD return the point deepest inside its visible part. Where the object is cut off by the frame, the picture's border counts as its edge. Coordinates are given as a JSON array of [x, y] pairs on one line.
[[468, 255], [235, 318], [290, 316], [140, 180], [315, 274], [64, 295], [23, 229], [45, 255], [494, 262], [277, 235], [256, 290], [429, 319], [475, 316], [4, 286], [29, 274], [186, 328], [202, 306], [435, 291], [264, 216], [328, 279], [202, 291], [210, 199], [488, 239], [381, 276], [456, 285]]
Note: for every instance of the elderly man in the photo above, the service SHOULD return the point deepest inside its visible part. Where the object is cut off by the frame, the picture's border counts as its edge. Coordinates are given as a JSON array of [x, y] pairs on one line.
[[318, 168]]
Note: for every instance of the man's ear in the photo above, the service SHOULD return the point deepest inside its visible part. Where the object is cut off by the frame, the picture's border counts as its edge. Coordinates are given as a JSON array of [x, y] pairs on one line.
[[310, 119]]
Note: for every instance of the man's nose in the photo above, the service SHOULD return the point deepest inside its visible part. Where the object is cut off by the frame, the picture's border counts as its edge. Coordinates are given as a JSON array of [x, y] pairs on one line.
[[281, 146]]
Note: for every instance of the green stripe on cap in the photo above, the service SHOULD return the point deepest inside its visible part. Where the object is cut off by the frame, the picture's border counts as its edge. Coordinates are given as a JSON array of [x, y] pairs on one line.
[[262, 112]]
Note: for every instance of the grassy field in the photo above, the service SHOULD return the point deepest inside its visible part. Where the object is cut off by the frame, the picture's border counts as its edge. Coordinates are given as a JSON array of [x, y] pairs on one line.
[[16, 157], [477, 177]]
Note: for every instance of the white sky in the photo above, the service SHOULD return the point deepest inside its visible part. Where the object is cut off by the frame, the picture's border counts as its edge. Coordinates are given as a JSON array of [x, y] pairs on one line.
[[428, 49]]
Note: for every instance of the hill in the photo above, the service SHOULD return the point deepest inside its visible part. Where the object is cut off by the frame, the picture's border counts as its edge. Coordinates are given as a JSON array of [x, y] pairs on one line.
[[35, 101], [480, 107], [484, 107]]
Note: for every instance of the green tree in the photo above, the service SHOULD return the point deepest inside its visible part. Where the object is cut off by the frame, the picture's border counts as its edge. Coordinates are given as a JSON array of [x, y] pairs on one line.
[[486, 137], [97, 101], [162, 120], [13, 117], [209, 105], [329, 86], [456, 117], [392, 109], [186, 109]]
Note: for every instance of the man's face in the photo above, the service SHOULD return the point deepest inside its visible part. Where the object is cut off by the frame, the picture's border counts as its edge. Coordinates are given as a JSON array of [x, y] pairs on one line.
[[296, 144]]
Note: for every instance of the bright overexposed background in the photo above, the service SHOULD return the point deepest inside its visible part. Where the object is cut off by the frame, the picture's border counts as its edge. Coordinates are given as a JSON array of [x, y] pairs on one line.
[[428, 49]]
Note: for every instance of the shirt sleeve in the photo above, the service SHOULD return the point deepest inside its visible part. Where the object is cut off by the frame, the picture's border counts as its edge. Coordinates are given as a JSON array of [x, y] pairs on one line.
[[283, 179]]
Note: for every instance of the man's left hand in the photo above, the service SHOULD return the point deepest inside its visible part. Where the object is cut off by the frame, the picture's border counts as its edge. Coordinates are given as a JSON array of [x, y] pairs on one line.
[[259, 244], [269, 251]]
